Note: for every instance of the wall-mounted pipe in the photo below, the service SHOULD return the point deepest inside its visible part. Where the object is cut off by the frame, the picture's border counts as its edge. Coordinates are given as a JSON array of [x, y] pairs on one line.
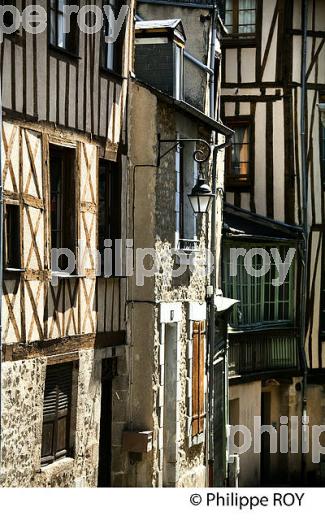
[[304, 175], [1, 268]]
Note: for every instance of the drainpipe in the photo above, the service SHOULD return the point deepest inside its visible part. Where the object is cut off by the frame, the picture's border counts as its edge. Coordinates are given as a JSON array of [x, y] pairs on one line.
[[212, 60], [1, 269], [304, 170], [212, 317], [211, 80]]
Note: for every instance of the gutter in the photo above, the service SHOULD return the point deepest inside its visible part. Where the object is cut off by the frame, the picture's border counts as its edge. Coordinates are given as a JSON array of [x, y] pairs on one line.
[[183, 106]]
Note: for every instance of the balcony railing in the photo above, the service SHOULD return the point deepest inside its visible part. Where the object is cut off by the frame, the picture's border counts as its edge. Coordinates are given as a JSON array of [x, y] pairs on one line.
[[251, 353]]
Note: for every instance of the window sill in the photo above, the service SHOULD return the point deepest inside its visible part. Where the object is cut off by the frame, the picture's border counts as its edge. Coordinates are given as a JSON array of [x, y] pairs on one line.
[[58, 274], [64, 464], [64, 52], [188, 246], [285, 327], [15, 37], [239, 40], [112, 276], [237, 185], [111, 73], [198, 439]]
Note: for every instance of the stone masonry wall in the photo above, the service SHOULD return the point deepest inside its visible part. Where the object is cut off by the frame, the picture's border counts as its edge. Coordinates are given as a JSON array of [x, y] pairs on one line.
[[22, 394]]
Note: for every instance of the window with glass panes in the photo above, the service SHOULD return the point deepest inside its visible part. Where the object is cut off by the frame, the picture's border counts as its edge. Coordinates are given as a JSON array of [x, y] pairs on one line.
[[59, 36], [111, 52], [62, 201], [238, 154], [322, 298], [261, 302], [322, 141], [322, 152], [240, 16]]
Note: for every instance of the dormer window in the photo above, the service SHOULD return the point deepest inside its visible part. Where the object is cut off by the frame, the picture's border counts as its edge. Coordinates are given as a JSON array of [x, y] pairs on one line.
[[159, 55]]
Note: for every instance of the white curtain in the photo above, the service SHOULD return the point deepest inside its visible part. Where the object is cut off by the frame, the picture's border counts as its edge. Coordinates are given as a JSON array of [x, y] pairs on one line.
[[246, 16]]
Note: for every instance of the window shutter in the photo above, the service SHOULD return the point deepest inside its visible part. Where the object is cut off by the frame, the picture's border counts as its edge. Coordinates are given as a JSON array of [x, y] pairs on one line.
[[198, 364], [56, 411]]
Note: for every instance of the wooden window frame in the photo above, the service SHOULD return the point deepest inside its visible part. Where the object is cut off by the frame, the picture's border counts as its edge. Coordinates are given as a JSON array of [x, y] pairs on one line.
[[198, 379], [56, 451], [14, 238], [68, 202], [322, 152], [118, 45], [322, 297], [112, 209], [236, 181], [322, 142], [178, 85], [235, 13], [258, 285], [72, 49]]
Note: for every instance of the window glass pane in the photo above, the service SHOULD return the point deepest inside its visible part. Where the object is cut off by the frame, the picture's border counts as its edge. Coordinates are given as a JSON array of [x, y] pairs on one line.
[[246, 16], [246, 29], [247, 4], [322, 151], [110, 56], [240, 152], [52, 27], [260, 300], [61, 36], [228, 20], [178, 72], [12, 240], [56, 201]]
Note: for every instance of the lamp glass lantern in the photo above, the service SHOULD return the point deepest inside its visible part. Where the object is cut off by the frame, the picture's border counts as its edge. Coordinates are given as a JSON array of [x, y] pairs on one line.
[[200, 196]]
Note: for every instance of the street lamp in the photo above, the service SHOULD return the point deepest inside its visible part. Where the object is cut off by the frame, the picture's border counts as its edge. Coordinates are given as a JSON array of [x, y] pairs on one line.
[[201, 196], [321, 107]]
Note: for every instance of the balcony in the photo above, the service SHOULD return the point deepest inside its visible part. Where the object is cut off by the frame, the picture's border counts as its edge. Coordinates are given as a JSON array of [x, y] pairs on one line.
[[263, 351]]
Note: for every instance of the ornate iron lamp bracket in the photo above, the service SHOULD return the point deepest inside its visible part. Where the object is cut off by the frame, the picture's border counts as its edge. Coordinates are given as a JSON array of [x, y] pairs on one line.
[[199, 155]]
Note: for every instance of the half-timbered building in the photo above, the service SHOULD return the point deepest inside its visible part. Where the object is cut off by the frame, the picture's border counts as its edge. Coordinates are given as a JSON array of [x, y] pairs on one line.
[[273, 80], [64, 366]]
